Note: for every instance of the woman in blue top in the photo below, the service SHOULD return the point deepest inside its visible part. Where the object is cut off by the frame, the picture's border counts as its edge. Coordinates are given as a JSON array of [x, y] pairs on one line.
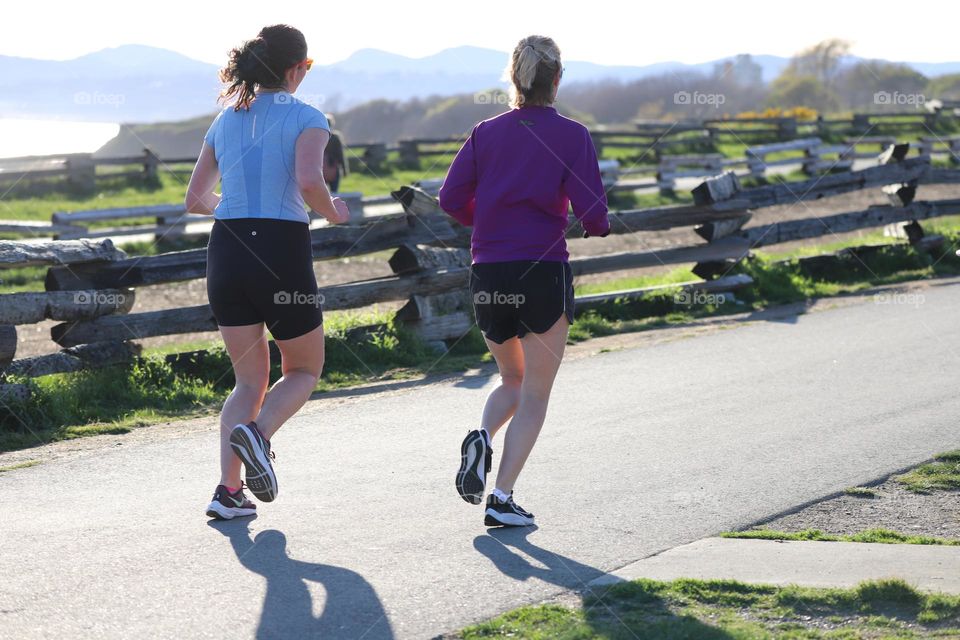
[[266, 149]]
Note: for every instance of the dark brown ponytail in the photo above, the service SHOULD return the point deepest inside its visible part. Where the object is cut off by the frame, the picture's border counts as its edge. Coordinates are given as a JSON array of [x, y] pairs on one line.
[[261, 63]]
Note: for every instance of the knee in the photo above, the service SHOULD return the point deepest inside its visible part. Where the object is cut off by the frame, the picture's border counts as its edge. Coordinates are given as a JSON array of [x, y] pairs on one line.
[[313, 370], [512, 380], [536, 390], [255, 385]]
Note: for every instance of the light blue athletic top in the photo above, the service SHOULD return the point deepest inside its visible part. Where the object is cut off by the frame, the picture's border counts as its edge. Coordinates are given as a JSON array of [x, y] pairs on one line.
[[256, 153]]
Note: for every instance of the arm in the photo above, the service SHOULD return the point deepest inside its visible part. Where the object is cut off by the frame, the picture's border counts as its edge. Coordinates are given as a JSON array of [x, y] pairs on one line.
[[457, 195], [309, 174], [584, 186], [200, 195]]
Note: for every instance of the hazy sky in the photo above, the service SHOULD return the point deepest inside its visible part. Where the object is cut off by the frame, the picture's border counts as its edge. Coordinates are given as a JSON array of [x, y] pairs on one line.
[[609, 32]]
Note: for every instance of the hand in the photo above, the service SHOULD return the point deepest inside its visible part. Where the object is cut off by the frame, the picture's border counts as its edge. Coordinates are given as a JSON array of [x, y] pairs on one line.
[[343, 212]]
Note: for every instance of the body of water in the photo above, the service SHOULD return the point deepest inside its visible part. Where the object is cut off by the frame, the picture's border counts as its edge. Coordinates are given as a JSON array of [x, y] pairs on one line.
[[46, 137]]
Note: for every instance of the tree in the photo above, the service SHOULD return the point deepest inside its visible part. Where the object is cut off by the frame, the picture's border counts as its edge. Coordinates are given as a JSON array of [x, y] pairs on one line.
[[789, 90], [821, 61], [875, 84]]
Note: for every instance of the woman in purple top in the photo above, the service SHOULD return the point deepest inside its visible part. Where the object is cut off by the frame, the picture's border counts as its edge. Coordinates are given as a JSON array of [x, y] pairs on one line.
[[514, 181]]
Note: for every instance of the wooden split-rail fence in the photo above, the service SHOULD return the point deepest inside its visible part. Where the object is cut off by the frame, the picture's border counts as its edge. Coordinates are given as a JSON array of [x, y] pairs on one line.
[[90, 286]]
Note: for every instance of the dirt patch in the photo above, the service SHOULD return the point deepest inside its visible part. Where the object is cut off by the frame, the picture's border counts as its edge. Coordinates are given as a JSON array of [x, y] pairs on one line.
[[892, 507]]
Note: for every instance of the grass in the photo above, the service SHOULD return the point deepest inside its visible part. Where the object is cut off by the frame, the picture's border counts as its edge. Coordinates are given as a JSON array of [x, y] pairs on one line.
[[28, 202], [37, 201], [943, 474], [861, 492], [721, 609], [881, 536], [20, 465], [118, 399]]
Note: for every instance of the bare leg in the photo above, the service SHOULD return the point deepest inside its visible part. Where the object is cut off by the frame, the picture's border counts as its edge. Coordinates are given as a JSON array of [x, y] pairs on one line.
[[542, 355], [247, 348], [302, 363], [503, 400]]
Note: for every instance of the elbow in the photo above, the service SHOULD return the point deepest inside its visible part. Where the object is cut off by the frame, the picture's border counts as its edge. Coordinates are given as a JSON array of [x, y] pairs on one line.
[[448, 203], [194, 203], [444, 203], [311, 183]]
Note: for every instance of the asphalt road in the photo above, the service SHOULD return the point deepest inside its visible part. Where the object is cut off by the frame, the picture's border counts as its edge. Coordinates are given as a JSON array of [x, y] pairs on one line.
[[644, 449]]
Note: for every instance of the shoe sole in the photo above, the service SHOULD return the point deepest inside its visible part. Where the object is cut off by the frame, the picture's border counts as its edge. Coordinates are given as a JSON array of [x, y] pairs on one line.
[[218, 511], [260, 478], [471, 477], [496, 519]]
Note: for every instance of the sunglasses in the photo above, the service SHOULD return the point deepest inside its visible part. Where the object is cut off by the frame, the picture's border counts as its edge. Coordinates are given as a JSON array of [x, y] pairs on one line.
[[308, 63]]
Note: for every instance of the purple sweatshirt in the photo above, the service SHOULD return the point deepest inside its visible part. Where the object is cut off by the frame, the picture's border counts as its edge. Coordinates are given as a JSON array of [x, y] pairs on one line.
[[513, 180]]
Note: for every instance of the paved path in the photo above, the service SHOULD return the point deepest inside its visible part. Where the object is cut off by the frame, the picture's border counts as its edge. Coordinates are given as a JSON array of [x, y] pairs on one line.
[[644, 450], [813, 564]]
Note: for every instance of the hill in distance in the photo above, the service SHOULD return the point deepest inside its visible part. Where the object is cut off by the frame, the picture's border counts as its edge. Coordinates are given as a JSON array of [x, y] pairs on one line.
[[136, 83]]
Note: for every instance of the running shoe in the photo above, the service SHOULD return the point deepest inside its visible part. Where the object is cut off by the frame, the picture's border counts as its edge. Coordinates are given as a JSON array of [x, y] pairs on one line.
[[476, 457], [506, 513], [254, 450], [227, 506]]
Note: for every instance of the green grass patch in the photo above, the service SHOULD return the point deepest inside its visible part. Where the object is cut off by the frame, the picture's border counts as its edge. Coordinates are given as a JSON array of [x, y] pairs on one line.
[[861, 492], [32, 203], [360, 348], [725, 609], [20, 465], [881, 536], [943, 474]]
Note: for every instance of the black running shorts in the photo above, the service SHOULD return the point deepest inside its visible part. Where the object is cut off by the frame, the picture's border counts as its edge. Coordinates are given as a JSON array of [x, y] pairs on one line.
[[261, 270], [511, 299]]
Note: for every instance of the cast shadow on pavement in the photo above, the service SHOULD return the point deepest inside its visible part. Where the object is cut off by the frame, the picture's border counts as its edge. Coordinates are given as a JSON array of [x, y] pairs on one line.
[[508, 548], [352, 608]]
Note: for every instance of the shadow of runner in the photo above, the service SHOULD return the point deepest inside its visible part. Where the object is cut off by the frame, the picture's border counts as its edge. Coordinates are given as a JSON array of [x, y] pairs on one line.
[[620, 611], [352, 608]]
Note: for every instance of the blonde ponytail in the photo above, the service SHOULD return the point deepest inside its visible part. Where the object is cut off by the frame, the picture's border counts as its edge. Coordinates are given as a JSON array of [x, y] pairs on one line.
[[533, 66]]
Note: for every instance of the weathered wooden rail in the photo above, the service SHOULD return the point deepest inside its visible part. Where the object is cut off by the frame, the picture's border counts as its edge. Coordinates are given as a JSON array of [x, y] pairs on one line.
[[90, 285]]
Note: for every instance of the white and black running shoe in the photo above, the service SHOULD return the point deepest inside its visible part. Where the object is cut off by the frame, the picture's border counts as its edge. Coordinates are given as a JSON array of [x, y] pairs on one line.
[[254, 450], [227, 506], [476, 457], [506, 513]]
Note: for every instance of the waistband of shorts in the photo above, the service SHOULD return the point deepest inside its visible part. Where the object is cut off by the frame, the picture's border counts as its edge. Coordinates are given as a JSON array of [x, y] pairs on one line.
[[276, 223]]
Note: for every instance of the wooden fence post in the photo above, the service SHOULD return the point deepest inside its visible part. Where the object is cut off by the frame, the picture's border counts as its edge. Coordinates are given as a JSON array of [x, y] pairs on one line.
[[375, 155], [8, 344], [714, 190], [666, 178], [441, 317], [860, 123], [787, 129], [81, 171], [150, 163], [409, 154]]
